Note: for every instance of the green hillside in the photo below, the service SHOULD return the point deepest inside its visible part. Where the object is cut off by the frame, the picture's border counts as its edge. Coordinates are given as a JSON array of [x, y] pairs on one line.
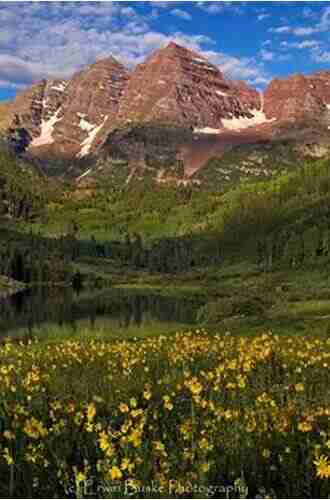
[[133, 233], [294, 202]]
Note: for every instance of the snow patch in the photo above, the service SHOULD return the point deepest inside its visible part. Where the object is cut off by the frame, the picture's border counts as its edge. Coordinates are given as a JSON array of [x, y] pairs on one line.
[[207, 130], [85, 125], [46, 134], [258, 118], [87, 143], [84, 174], [206, 64], [60, 87], [200, 60], [221, 93]]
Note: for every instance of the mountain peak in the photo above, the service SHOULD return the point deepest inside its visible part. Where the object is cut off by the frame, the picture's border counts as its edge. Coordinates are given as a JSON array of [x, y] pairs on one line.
[[181, 51], [106, 61], [173, 45], [177, 85]]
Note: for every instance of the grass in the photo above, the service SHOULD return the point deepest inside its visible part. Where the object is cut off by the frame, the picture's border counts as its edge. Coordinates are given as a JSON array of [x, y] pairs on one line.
[[237, 416], [98, 403], [102, 330]]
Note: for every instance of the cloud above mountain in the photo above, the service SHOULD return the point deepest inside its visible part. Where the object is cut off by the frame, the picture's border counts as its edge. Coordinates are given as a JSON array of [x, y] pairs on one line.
[[55, 39], [42, 40]]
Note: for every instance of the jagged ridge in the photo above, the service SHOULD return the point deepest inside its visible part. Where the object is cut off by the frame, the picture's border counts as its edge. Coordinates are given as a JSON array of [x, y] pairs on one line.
[[173, 87]]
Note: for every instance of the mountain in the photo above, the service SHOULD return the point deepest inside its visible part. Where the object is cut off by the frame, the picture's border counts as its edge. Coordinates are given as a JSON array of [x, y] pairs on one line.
[[63, 118], [297, 96], [88, 100], [166, 119], [179, 86]]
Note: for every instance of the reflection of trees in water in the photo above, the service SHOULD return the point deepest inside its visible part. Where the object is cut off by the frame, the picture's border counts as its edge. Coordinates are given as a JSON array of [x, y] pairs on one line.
[[65, 306]]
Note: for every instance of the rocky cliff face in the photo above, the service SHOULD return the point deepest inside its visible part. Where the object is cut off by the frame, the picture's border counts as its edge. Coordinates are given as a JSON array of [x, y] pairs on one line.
[[73, 119], [64, 118], [75, 115], [26, 110], [179, 86], [297, 96], [91, 98], [175, 85]]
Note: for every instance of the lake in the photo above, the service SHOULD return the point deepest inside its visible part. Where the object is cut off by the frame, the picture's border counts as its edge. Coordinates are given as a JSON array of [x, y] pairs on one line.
[[121, 308]]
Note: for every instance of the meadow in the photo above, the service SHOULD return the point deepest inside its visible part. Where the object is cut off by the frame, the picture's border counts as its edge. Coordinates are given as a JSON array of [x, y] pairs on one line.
[[239, 409], [193, 414]]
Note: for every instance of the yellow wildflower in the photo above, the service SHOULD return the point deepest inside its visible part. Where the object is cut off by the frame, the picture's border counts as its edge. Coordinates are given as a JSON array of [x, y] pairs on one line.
[[80, 477], [135, 438], [133, 403], [115, 473], [322, 467], [305, 426], [126, 464], [167, 403], [9, 435], [123, 408], [147, 393], [91, 412], [35, 429], [205, 467], [8, 457]]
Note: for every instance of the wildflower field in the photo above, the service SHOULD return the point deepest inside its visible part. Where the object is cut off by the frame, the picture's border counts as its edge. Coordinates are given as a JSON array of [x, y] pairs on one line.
[[190, 415]]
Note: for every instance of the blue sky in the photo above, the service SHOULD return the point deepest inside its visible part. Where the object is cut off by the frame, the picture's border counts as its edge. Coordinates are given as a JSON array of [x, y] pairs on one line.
[[253, 41]]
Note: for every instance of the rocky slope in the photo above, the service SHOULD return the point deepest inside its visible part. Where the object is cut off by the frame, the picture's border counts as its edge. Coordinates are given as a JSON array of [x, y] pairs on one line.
[[31, 109], [179, 86], [174, 85], [105, 116], [86, 102], [298, 96], [63, 118]]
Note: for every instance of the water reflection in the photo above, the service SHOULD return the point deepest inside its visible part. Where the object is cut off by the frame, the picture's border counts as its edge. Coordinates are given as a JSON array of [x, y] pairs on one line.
[[66, 306]]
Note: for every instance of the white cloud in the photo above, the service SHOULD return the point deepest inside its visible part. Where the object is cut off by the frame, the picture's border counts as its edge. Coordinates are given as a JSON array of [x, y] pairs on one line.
[[321, 57], [245, 68], [308, 13], [182, 14], [266, 55], [161, 5], [218, 7], [304, 31], [261, 17], [16, 70], [321, 27], [211, 7], [55, 39], [306, 44], [324, 24], [281, 29]]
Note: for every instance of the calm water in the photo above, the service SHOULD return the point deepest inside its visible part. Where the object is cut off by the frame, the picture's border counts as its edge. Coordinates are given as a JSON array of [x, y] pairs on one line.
[[122, 308]]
